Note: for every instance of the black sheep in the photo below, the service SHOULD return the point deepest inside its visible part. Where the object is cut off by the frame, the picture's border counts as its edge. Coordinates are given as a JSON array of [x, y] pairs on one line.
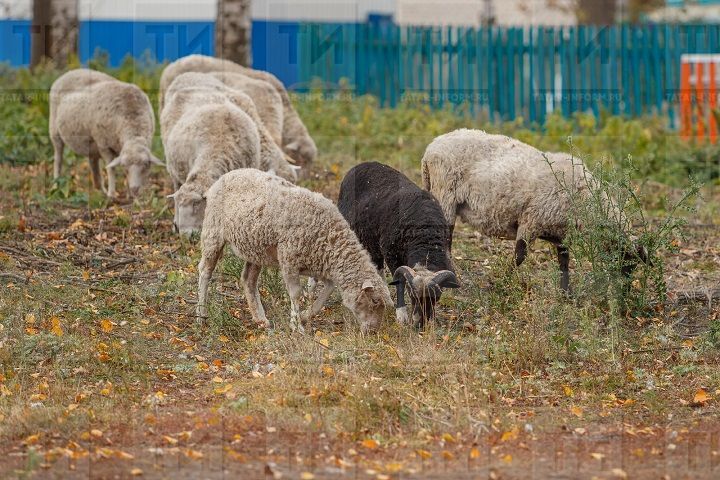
[[403, 227]]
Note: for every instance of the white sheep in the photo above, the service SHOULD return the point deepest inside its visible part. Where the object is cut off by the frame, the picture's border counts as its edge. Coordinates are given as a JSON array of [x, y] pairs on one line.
[[266, 98], [205, 142], [296, 141], [98, 116], [268, 221], [195, 89], [508, 189]]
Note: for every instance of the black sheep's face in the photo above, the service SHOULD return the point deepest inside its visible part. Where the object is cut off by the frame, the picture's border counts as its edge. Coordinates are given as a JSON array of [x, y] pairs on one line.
[[422, 302], [424, 289]]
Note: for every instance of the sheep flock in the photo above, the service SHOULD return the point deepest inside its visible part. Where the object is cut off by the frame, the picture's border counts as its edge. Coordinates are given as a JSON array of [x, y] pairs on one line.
[[235, 148]]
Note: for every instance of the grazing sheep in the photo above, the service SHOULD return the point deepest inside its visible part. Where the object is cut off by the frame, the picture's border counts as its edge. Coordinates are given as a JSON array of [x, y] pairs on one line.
[[204, 143], [267, 100], [190, 90], [268, 221], [508, 189], [98, 116], [296, 141], [403, 227]]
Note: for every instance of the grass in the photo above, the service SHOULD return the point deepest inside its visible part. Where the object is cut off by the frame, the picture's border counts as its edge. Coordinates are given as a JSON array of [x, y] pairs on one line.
[[97, 354]]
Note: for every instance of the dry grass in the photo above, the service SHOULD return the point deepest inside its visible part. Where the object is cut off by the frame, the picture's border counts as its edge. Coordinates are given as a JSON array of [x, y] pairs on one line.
[[100, 337]]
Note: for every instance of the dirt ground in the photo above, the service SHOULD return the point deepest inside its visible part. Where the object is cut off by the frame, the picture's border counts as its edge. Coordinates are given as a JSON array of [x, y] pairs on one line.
[[144, 416]]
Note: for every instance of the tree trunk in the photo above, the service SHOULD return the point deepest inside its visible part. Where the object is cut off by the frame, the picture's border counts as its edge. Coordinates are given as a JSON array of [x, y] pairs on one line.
[[596, 12], [233, 31], [55, 28]]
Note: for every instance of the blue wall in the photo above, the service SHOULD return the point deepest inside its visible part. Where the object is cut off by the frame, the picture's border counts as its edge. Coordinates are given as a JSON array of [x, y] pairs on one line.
[[275, 44]]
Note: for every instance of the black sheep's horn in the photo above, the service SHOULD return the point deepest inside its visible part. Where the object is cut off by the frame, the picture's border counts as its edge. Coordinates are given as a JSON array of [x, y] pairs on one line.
[[403, 272], [446, 279]]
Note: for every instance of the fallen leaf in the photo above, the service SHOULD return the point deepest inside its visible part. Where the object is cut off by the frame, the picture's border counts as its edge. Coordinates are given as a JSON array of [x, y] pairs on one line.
[[370, 444], [55, 327], [106, 325], [474, 453], [509, 435], [618, 472], [568, 391], [597, 456], [701, 398], [136, 472], [424, 454], [577, 411], [448, 438], [96, 433], [193, 454], [307, 476]]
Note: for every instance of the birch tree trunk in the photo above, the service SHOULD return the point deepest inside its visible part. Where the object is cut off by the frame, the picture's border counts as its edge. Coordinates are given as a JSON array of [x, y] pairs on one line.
[[55, 28], [233, 29]]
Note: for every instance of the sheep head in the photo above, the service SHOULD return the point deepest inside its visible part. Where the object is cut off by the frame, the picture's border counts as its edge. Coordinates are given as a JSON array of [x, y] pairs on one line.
[[368, 302], [302, 150], [425, 289], [189, 208], [137, 159]]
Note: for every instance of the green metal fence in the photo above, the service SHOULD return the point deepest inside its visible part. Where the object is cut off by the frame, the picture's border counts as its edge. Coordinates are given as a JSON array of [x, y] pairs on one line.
[[509, 72]]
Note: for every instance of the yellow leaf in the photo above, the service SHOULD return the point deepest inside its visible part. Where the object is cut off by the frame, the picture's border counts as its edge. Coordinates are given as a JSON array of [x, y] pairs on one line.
[[106, 325], [448, 438], [124, 455], [597, 456], [217, 379], [474, 453], [328, 371], [86, 275], [136, 472], [701, 397], [369, 443], [618, 473], [31, 331], [30, 318], [324, 342], [307, 476], [185, 436], [32, 439], [509, 435], [55, 327], [394, 467], [447, 455], [507, 458], [224, 389], [577, 411], [96, 433], [568, 391], [38, 397], [424, 454], [170, 440], [193, 454]]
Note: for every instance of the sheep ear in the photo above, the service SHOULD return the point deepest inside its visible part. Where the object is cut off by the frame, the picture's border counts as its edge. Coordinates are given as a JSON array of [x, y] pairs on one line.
[[296, 168], [156, 161], [172, 195], [293, 146], [117, 161], [368, 286]]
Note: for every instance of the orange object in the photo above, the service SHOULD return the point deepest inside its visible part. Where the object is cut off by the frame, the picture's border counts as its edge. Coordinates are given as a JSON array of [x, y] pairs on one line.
[[685, 102], [700, 100], [712, 98]]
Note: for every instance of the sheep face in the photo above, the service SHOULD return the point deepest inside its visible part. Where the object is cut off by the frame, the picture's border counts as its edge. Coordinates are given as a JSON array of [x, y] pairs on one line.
[[424, 289], [303, 151], [369, 304], [189, 209], [137, 160]]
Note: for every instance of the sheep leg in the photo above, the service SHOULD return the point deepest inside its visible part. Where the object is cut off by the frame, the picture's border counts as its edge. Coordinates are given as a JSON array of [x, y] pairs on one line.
[[250, 275], [294, 288], [107, 156], [211, 253], [564, 261], [520, 251], [59, 148], [95, 170], [328, 287]]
